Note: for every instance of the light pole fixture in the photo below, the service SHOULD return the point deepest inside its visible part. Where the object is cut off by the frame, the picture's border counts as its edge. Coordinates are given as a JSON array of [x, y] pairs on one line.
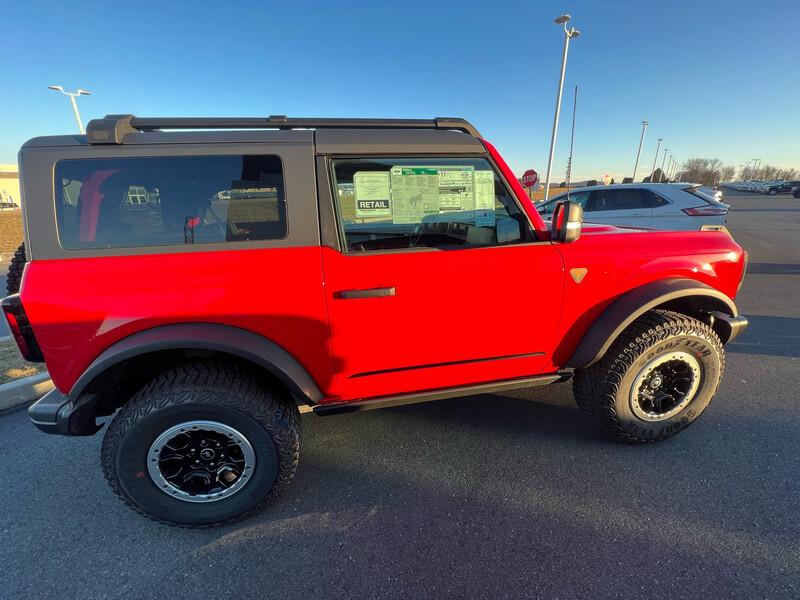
[[638, 154], [655, 158], [72, 97], [569, 33], [756, 167]]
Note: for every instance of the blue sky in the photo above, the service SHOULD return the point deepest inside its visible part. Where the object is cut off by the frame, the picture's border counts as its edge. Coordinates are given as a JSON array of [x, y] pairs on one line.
[[715, 79]]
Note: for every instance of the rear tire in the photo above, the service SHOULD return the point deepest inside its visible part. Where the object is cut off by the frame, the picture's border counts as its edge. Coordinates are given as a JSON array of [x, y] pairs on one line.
[[202, 445], [656, 378], [772, 192], [15, 269]]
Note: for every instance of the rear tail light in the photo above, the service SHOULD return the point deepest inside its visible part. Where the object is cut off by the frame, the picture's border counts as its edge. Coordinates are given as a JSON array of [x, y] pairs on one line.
[[21, 329], [706, 211]]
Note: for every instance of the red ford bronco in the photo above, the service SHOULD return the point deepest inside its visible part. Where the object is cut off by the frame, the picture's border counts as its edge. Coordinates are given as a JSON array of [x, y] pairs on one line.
[[202, 284]]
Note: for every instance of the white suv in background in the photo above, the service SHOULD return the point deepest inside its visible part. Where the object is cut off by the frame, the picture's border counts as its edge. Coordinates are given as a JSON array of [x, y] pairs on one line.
[[665, 206]]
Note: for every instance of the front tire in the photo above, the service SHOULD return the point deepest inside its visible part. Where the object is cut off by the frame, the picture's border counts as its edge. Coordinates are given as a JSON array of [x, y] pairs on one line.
[[654, 380], [202, 445]]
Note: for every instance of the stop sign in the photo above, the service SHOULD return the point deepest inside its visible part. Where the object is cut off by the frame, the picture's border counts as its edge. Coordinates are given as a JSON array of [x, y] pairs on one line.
[[530, 178], [607, 179]]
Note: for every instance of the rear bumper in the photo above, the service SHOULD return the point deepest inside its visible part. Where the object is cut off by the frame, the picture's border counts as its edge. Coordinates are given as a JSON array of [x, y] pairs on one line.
[[56, 413]]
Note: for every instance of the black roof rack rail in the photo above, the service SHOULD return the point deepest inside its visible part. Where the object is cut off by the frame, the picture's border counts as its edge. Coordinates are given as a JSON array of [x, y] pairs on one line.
[[112, 128]]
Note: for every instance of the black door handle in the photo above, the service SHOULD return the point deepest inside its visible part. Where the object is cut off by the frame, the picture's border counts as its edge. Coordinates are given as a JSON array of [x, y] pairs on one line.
[[355, 294]]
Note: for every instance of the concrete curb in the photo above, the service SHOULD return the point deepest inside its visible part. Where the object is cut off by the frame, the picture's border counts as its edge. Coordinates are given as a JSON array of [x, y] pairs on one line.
[[24, 390]]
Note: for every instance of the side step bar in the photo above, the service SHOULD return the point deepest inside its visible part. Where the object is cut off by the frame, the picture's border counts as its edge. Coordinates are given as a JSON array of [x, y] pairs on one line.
[[483, 388]]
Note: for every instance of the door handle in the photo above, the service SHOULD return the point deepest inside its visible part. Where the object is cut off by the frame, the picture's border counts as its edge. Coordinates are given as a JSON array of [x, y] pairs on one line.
[[371, 293]]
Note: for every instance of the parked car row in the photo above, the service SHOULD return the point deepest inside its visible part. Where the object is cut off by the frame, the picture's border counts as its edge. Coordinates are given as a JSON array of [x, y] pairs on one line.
[[765, 187], [665, 206]]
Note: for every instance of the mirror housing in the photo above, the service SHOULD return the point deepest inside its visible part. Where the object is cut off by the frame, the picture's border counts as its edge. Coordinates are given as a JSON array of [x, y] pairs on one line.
[[567, 222]]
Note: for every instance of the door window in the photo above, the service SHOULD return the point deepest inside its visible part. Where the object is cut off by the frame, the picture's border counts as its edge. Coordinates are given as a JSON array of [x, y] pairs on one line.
[[390, 204]]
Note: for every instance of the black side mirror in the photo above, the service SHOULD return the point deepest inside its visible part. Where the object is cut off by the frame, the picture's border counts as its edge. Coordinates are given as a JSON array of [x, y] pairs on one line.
[[567, 222]]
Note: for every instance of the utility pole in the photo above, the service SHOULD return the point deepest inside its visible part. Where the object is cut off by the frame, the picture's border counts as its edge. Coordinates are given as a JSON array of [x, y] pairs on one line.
[[72, 97], [653, 170], [569, 33], [638, 154]]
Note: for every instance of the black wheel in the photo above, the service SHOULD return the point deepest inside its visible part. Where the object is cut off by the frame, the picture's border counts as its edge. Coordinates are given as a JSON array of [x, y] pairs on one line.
[[202, 445], [655, 379], [773, 191], [796, 194], [15, 270]]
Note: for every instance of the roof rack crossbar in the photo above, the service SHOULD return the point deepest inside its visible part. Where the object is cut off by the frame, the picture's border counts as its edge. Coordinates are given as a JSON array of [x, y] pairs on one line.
[[112, 128]]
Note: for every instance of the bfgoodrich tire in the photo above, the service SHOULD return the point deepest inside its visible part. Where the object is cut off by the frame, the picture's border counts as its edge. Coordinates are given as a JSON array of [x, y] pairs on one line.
[[202, 445], [655, 379]]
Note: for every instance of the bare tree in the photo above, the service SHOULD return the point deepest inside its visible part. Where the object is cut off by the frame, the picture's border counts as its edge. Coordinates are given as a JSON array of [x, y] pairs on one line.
[[726, 173], [705, 171]]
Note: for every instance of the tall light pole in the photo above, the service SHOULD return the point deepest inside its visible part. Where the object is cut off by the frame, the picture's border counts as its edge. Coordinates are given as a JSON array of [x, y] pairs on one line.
[[655, 158], [755, 168], [638, 154], [663, 177], [569, 33], [741, 172], [72, 97]]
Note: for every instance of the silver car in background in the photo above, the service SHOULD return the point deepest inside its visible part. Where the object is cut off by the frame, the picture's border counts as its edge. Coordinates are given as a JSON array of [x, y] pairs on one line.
[[665, 206]]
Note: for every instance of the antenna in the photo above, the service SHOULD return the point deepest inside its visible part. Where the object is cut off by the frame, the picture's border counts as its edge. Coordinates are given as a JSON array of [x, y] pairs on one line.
[[572, 139]]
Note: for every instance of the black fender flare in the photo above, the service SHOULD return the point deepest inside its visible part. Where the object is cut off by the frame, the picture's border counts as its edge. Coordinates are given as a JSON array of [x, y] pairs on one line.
[[683, 295], [206, 336]]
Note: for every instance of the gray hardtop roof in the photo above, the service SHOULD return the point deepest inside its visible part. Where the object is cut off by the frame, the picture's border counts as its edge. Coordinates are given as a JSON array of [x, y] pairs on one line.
[[330, 135]]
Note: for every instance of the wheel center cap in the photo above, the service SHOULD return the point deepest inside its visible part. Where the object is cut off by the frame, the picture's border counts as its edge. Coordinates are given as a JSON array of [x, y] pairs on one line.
[[207, 454], [655, 382]]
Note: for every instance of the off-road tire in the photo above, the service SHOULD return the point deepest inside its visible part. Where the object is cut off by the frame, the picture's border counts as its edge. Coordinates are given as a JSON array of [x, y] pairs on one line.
[[266, 416], [14, 277], [604, 390]]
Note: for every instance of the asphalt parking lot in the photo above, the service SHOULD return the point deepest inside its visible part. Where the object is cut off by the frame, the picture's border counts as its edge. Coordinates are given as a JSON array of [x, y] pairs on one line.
[[512, 495]]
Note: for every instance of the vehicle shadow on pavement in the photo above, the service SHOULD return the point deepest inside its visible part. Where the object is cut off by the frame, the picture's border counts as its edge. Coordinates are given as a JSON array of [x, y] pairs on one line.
[[780, 335], [773, 269]]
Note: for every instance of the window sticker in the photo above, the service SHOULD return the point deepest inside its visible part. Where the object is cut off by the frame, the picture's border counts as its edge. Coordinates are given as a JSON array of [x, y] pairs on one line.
[[372, 194], [420, 192], [484, 198], [415, 193]]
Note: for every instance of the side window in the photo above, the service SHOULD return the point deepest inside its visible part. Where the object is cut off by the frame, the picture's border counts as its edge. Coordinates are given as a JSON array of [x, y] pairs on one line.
[[619, 199], [653, 200], [156, 201], [579, 197], [388, 204]]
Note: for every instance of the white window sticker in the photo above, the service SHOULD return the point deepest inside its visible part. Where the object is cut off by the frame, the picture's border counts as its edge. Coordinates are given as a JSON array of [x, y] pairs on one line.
[[484, 198], [415, 192], [372, 194]]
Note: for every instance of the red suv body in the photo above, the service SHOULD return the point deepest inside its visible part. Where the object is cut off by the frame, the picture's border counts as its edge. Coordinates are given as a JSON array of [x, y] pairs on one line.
[[356, 265]]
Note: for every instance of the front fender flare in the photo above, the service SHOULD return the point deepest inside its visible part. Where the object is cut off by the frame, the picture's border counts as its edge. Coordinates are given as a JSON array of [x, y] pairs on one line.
[[206, 336], [685, 295]]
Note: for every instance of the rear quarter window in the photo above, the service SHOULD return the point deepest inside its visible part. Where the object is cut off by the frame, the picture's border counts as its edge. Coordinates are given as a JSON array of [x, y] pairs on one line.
[[156, 201]]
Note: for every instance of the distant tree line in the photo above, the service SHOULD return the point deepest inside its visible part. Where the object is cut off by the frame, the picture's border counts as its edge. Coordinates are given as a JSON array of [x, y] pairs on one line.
[[711, 171]]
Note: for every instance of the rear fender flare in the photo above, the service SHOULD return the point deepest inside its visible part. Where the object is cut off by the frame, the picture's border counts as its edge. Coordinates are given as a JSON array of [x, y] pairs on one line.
[[235, 341], [682, 295]]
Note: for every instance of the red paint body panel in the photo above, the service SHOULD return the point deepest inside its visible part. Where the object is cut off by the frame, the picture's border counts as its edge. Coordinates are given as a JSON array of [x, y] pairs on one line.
[[78, 308], [450, 306], [618, 262]]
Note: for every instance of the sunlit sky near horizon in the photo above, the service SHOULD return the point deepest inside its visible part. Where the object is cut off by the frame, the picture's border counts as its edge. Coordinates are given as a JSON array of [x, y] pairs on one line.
[[714, 79]]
